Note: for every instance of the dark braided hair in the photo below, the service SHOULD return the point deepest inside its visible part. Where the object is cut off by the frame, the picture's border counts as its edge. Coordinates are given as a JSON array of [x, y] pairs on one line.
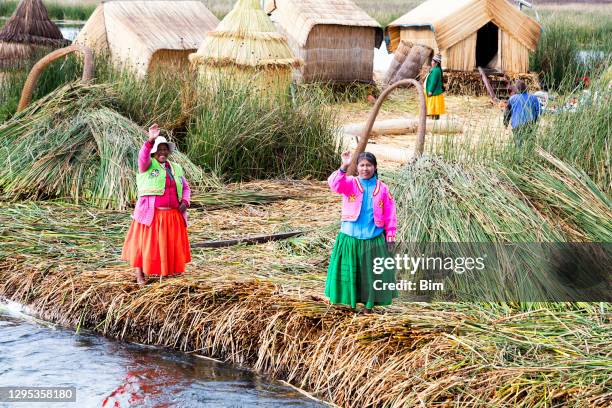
[[369, 157]]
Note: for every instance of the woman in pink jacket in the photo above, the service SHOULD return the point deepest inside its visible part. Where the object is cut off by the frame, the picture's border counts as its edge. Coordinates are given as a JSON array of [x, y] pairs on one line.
[[157, 242], [368, 227]]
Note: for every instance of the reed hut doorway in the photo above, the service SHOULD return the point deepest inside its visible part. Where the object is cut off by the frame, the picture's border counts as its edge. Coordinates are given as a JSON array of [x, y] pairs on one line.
[[487, 46]]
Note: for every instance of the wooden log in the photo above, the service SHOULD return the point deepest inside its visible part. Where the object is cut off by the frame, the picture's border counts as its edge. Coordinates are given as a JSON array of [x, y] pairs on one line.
[[405, 126]]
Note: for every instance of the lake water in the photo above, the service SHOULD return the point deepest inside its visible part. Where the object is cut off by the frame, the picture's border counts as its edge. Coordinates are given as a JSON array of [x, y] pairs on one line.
[[33, 353]]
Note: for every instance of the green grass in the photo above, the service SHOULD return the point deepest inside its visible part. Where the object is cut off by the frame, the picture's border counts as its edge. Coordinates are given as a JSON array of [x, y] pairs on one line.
[[56, 10], [57, 74]]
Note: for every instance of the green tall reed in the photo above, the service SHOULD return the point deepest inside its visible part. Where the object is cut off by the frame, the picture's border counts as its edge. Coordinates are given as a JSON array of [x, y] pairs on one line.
[[56, 10], [563, 37], [56, 75], [244, 135]]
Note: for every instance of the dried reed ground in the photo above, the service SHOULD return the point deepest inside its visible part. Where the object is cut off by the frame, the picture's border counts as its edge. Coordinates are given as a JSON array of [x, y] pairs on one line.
[[252, 305]]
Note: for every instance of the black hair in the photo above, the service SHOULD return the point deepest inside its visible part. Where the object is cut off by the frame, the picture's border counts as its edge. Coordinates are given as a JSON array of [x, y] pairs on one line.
[[521, 86], [369, 157]]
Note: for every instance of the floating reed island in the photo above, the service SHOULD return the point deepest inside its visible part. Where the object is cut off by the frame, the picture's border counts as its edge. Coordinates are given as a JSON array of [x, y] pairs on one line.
[[257, 306], [260, 306]]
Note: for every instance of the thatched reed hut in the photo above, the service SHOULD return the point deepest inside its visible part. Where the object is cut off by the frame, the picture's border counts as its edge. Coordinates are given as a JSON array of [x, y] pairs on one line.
[[148, 35], [245, 47], [28, 31], [335, 39], [490, 34]]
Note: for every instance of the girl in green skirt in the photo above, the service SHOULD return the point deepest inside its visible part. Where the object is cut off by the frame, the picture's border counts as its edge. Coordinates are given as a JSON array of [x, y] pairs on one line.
[[356, 272]]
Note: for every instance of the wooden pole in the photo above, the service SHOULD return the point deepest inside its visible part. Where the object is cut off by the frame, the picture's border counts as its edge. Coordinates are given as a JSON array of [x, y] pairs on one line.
[[420, 144]]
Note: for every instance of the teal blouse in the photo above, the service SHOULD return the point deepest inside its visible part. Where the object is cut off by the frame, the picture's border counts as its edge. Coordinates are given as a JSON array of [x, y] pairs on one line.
[[364, 227]]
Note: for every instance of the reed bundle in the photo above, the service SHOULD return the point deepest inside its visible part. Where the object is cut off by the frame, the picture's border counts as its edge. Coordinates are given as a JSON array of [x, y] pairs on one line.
[[569, 195], [72, 144], [470, 82], [444, 202]]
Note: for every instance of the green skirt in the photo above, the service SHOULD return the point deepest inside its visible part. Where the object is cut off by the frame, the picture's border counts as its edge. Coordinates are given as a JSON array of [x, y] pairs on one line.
[[351, 276]]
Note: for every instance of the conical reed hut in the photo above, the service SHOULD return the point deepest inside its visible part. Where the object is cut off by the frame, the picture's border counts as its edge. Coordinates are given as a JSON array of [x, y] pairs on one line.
[[28, 30], [246, 48]]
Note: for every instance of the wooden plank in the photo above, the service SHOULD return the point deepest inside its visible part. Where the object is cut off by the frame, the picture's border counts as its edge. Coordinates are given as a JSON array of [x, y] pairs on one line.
[[259, 239], [487, 84]]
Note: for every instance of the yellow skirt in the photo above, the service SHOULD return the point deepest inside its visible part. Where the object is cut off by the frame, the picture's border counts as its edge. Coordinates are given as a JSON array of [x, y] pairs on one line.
[[435, 104]]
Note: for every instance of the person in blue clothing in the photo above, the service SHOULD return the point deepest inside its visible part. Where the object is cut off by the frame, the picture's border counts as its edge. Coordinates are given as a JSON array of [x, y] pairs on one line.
[[522, 112]]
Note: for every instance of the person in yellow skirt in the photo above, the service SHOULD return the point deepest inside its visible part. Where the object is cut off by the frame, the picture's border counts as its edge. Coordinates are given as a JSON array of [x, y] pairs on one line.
[[434, 89]]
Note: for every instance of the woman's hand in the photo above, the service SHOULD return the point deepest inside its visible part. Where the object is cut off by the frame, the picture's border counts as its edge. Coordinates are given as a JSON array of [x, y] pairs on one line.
[[153, 132], [346, 159], [429, 94], [183, 207]]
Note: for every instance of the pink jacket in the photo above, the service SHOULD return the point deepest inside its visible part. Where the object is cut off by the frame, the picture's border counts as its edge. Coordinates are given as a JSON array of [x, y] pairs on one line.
[[352, 196], [145, 206]]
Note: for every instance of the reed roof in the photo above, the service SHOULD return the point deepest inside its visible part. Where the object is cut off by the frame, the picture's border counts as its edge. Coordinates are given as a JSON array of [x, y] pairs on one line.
[[454, 20], [30, 24], [132, 31], [298, 17], [246, 37]]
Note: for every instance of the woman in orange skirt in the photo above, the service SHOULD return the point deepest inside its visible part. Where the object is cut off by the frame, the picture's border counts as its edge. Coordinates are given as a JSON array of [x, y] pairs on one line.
[[157, 242]]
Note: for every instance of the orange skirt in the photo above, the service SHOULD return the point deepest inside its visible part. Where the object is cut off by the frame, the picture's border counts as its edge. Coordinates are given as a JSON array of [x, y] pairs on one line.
[[159, 249]]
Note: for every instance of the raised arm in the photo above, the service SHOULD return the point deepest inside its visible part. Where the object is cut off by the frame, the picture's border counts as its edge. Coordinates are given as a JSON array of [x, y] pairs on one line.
[[339, 182], [144, 156]]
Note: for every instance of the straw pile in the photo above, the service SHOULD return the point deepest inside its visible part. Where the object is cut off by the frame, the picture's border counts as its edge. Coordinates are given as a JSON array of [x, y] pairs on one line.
[[442, 354], [29, 29], [246, 47], [444, 202], [72, 144], [470, 83]]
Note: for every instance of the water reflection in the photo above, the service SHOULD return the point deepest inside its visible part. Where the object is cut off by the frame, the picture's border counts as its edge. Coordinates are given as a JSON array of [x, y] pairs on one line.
[[108, 373]]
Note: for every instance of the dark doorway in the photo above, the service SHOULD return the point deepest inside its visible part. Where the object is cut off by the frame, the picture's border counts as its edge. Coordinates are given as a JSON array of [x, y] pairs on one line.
[[486, 45]]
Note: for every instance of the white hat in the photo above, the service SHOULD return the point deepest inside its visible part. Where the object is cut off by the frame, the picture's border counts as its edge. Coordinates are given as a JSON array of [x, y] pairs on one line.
[[159, 140]]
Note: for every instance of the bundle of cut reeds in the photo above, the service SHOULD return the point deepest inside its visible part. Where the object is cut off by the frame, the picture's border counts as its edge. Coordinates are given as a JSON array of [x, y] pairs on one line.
[[570, 196], [72, 144]]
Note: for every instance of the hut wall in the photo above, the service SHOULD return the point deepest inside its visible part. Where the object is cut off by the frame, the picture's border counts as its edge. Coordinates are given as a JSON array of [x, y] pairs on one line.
[[420, 35], [514, 55], [338, 53], [170, 60], [93, 33], [461, 56]]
